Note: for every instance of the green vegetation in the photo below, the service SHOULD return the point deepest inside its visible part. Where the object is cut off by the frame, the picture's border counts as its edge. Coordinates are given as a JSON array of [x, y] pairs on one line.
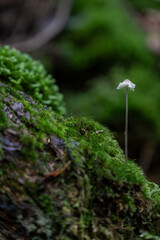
[[105, 43], [104, 104], [143, 5], [23, 73], [66, 178], [97, 196], [102, 34]]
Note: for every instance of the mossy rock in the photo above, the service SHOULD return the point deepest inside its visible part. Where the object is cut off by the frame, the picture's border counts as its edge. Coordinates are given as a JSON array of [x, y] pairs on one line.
[[67, 178], [26, 74]]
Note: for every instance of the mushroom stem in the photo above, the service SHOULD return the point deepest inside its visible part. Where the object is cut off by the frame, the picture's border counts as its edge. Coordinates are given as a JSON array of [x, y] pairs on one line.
[[126, 126], [128, 84]]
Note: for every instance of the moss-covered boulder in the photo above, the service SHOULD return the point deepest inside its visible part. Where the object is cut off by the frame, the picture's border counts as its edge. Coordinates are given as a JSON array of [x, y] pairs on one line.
[[67, 179], [26, 74]]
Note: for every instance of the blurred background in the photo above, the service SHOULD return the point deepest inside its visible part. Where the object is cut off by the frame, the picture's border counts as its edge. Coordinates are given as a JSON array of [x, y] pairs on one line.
[[89, 46]]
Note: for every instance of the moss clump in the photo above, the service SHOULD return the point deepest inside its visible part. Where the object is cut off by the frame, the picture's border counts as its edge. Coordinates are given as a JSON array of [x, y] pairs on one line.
[[77, 186], [22, 72]]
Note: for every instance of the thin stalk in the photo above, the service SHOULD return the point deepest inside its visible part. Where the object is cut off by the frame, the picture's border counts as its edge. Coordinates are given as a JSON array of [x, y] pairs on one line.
[[126, 127]]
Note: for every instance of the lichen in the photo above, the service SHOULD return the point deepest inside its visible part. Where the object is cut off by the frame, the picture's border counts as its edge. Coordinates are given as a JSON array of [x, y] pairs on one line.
[[63, 178]]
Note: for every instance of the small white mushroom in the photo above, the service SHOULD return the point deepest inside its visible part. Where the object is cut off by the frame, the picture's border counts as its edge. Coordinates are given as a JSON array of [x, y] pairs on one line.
[[128, 84]]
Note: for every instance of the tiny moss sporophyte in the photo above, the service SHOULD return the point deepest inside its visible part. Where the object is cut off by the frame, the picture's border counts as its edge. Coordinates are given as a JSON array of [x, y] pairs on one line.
[[128, 84]]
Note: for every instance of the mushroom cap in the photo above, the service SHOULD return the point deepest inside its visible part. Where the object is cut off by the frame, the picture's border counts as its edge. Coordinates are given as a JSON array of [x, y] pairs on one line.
[[126, 83]]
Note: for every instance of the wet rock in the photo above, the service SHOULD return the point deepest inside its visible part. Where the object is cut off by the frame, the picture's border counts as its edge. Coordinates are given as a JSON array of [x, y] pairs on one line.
[[17, 106], [58, 145], [28, 98], [15, 110], [11, 144]]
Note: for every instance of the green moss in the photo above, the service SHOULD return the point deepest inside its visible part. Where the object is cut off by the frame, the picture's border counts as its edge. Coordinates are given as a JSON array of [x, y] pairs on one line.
[[3, 119], [46, 203], [146, 235], [22, 72], [31, 145], [96, 196]]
